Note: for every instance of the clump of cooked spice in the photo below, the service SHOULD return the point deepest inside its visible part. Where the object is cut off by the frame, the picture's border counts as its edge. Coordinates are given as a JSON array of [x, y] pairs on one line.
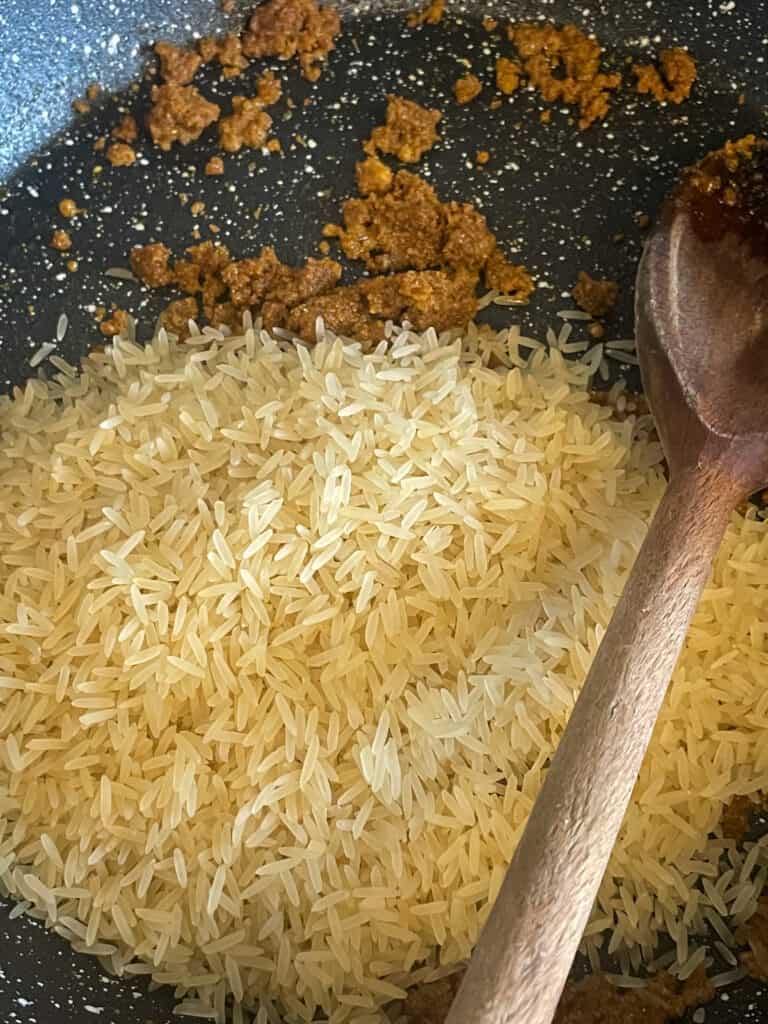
[[228, 51], [465, 89], [92, 93], [150, 264], [564, 66], [672, 81], [482, 156], [214, 166], [179, 113], [117, 323], [508, 74], [596, 297], [177, 64], [247, 125], [127, 130], [120, 154], [61, 240], [68, 208], [268, 89], [432, 14], [290, 28], [372, 175], [408, 132]]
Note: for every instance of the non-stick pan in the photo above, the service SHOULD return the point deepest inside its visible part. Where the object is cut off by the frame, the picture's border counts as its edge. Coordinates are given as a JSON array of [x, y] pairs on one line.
[[563, 200]]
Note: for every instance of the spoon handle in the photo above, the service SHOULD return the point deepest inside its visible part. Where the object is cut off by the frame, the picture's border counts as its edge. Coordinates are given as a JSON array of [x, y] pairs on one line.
[[526, 948]]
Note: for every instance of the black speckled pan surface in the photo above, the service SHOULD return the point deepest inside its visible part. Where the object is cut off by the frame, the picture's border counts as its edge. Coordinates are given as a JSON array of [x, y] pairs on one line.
[[562, 200]]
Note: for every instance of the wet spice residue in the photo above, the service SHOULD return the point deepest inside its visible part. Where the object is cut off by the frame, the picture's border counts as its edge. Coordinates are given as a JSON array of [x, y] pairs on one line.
[[465, 89], [672, 81], [432, 14], [408, 132], [736, 817], [292, 28], [594, 296], [755, 935], [594, 1000], [179, 113], [563, 65]]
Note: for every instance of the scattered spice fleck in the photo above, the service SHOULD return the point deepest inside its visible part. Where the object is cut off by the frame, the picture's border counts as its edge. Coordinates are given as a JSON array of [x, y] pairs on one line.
[[596, 297], [61, 240], [214, 167], [482, 156], [120, 154], [432, 14], [672, 83], [68, 208], [197, 208], [116, 324], [127, 130], [466, 88]]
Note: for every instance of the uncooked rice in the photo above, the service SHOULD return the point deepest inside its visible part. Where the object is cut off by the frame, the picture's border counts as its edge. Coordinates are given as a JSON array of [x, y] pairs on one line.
[[288, 637]]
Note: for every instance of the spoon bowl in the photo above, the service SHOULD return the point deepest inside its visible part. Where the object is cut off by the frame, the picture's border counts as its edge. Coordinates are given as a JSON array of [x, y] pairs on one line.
[[702, 338], [702, 312]]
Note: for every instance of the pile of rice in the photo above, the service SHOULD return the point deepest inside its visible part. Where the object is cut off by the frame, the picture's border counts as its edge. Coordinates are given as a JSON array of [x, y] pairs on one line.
[[288, 637]]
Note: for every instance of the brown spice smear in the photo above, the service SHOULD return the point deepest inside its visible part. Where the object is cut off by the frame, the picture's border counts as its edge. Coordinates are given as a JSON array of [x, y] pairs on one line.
[[432, 14], [672, 81], [408, 132], [465, 89], [593, 1000], [179, 113], [429, 257], [563, 64], [596, 297], [290, 28]]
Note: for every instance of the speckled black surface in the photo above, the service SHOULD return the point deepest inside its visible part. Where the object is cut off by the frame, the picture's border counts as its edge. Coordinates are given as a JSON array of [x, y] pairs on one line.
[[555, 197]]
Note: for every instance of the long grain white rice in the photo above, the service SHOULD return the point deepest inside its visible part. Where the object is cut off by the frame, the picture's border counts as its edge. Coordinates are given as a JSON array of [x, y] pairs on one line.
[[276, 621]]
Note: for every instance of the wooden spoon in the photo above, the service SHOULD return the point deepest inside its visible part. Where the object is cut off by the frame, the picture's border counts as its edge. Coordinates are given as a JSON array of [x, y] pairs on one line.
[[702, 339]]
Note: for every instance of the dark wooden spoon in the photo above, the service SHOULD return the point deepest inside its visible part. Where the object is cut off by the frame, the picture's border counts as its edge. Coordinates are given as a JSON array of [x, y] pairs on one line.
[[702, 339]]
